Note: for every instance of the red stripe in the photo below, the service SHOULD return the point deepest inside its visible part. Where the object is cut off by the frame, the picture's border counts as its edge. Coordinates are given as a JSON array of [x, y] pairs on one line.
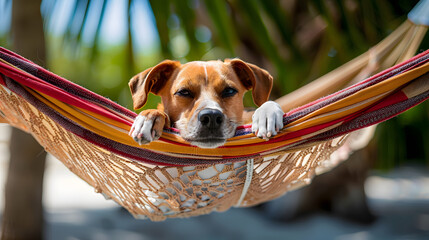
[[394, 98], [365, 121], [380, 74], [15, 55], [57, 93], [67, 85]]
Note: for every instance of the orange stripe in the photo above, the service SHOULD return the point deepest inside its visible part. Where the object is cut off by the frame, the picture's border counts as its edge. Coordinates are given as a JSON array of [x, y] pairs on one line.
[[239, 145], [367, 93]]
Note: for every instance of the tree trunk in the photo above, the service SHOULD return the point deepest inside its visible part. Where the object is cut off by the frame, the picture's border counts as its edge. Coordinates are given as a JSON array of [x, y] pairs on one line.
[[23, 213]]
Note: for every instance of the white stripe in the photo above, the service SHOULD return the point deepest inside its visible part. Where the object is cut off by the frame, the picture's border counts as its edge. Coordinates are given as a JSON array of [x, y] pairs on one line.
[[249, 176], [205, 71]]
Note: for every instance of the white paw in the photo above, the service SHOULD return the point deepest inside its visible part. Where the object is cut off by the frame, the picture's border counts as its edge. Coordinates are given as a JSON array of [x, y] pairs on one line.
[[141, 130], [267, 120]]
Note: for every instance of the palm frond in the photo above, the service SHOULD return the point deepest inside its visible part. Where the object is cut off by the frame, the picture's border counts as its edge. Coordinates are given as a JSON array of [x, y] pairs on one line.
[[224, 26], [161, 11]]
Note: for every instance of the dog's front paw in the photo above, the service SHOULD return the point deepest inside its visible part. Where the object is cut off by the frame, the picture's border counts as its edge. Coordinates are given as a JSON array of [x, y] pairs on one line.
[[147, 126], [267, 120]]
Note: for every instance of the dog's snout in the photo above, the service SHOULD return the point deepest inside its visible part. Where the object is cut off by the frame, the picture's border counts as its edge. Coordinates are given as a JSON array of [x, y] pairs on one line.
[[210, 118]]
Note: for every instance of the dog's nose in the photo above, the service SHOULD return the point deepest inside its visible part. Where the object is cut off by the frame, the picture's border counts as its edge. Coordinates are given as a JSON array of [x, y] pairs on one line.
[[210, 118]]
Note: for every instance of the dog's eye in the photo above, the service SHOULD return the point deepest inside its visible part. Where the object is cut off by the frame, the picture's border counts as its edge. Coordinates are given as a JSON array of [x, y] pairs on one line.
[[184, 93], [229, 92]]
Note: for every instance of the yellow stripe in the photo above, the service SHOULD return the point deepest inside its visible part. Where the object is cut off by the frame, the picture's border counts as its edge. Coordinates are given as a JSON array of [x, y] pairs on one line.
[[367, 93], [331, 116], [80, 118], [118, 131]]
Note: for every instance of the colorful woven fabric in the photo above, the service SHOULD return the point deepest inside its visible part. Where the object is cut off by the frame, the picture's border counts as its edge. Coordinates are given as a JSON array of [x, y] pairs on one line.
[[106, 124]]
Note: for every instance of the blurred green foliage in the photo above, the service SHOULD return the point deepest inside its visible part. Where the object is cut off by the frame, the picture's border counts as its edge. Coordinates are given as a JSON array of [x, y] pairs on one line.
[[297, 41]]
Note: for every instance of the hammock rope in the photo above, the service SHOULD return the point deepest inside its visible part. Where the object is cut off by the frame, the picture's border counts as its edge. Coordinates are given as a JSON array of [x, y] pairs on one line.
[[99, 123], [169, 177]]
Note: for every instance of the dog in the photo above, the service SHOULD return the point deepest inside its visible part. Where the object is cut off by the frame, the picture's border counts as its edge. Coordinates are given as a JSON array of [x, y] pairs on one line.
[[204, 100]]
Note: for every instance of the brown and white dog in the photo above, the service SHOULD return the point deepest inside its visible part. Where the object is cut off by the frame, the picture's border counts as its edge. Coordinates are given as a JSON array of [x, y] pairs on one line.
[[204, 100]]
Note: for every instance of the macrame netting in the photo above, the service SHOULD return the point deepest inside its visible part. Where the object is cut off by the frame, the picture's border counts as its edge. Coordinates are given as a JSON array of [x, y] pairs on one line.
[[172, 179], [160, 191]]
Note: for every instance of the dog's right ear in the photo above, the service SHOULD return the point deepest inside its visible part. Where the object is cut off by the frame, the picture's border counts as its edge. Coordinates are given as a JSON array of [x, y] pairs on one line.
[[151, 80]]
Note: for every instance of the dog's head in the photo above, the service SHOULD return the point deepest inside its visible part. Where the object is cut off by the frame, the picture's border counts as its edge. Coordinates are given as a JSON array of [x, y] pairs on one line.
[[204, 100]]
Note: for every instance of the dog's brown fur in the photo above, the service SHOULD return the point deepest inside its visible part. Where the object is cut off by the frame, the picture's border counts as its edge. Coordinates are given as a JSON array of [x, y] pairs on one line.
[[206, 83]]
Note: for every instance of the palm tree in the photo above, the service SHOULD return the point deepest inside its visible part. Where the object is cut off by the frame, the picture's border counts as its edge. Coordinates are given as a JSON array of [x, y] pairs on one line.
[[23, 214]]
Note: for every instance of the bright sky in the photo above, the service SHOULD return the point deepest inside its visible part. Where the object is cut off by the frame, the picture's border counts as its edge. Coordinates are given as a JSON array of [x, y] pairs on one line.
[[4, 16], [113, 29]]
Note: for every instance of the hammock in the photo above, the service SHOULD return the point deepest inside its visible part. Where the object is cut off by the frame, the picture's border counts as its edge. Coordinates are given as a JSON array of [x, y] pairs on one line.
[[169, 177]]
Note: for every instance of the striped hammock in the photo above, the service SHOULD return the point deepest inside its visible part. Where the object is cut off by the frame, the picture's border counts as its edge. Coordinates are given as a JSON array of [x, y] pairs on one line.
[[106, 124], [171, 178]]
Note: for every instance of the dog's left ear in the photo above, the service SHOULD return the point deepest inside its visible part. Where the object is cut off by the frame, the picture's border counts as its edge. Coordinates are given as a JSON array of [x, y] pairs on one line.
[[253, 78], [151, 80]]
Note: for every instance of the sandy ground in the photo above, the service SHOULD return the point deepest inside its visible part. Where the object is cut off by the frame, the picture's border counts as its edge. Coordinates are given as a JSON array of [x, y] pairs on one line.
[[399, 199]]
